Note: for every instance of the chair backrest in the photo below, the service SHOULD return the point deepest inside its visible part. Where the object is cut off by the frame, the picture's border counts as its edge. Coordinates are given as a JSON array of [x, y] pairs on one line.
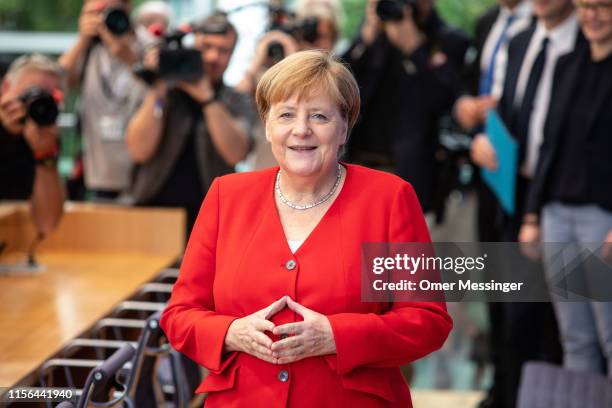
[[545, 385], [99, 377], [140, 389], [153, 346]]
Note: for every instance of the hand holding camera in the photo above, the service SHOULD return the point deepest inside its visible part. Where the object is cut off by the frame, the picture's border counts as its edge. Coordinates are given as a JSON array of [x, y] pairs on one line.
[[89, 20], [201, 91], [12, 115], [34, 103], [34, 115], [111, 25], [404, 34], [372, 25], [42, 140], [96, 17], [40, 130], [273, 47]]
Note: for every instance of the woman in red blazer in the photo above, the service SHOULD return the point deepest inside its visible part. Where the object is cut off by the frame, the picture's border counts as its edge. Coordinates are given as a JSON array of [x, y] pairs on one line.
[[269, 296]]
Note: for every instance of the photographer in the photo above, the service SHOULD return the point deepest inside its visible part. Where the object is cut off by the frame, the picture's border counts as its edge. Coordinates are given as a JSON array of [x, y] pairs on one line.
[[100, 64], [315, 25], [29, 138], [408, 63], [151, 20], [187, 133]]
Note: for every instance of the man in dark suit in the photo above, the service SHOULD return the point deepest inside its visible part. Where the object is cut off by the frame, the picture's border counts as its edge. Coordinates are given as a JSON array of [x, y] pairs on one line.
[[571, 187], [408, 71], [485, 76], [528, 331], [523, 107], [486, 72]]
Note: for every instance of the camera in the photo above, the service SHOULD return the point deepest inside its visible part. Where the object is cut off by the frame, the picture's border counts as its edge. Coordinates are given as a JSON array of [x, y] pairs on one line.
[[116, 20], [40, 105], [393, 10], [302, 30], [178, 61]]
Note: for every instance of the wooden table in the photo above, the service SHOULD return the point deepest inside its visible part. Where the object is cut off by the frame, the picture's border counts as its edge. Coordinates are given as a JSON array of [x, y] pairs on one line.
[[98, 257]]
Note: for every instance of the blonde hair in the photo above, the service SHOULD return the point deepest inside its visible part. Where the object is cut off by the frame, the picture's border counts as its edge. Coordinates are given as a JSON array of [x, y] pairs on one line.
[[33, 62], [305, 74]]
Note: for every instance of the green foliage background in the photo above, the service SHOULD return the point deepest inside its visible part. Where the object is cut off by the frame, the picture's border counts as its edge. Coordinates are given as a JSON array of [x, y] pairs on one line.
[[42, 15], [62, 15], [459, 13]]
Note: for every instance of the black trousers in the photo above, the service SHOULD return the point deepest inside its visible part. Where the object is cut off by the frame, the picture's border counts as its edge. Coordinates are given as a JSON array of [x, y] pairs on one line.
[[520, 331]]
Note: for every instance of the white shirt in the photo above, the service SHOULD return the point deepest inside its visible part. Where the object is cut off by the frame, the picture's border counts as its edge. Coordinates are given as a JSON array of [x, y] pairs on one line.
[[522, 18], [294, 245], [561, 40]]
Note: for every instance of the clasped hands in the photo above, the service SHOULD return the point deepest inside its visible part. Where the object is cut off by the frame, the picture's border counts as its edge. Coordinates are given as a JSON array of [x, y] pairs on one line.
[[308, 338]]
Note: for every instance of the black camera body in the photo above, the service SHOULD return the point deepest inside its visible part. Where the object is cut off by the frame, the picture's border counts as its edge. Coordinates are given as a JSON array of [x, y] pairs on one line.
[[393, 10], [302, 30], [40, 105], [116, 20], [177, 60]]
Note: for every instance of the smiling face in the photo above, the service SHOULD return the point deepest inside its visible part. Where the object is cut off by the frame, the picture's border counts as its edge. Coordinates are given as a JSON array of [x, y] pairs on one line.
[[596, 19], [306, 134]]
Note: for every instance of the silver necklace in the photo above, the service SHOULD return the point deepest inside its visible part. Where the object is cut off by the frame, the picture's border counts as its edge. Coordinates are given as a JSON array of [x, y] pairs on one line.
[[307, 206]]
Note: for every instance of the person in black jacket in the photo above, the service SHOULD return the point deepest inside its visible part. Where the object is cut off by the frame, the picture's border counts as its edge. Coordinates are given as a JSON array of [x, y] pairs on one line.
[[532, 55], [485, 73], [571, 188], [529, 330], [408, 72], [186, 133], [485, 77], [29, 150]]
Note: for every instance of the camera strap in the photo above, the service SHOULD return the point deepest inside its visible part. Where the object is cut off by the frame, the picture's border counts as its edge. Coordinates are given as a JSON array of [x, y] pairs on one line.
[[110, 71]]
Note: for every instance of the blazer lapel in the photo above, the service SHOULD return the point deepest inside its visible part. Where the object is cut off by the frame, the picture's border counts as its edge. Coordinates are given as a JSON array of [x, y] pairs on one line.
[[567, 76], [600, 98], [513, 70]]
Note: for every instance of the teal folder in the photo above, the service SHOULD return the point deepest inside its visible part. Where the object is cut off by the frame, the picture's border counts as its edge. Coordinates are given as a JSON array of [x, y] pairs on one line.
[[502, 181]]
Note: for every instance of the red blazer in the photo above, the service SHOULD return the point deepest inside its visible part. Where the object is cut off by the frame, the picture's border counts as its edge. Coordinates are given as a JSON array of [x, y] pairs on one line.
[[235, 264]]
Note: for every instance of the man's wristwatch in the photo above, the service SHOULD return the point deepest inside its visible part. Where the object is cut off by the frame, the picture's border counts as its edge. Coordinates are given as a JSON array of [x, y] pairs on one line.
[[47, 159], [49, 162]]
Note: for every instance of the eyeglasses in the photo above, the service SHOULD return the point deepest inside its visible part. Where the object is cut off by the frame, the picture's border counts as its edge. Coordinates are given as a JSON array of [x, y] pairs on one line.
[[601, 7]]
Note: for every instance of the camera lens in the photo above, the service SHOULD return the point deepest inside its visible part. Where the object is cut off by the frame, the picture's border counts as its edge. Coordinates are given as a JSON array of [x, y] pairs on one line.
[[308, 29], [41, 106], [276, 52], [117, 21]]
